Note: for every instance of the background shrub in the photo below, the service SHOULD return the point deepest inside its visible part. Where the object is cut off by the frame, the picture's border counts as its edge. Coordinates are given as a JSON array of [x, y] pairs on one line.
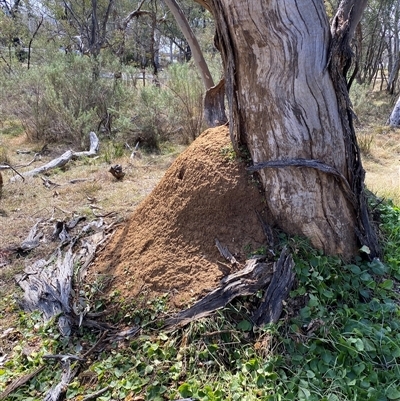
[[63, 100]]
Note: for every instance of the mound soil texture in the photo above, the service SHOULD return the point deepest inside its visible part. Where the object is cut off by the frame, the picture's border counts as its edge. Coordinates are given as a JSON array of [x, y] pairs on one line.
[[168, 244]]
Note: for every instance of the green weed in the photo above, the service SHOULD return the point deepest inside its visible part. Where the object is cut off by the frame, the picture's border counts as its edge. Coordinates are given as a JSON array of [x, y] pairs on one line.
[[228, 153]]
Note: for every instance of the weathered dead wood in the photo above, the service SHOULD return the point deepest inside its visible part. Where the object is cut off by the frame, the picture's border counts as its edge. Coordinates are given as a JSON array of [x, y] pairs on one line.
[[214, 105], [64, 158], [95, 395], [117, 172], [224, 251], [60, 232], [36, 157], [255, 276], [16, 384], [64, 357], [31, 241], [23, 152], [49, 184], [47, 284], [276, 278], [8, 166], [47, 287], [307, 163], [271, 306], [57, 392]]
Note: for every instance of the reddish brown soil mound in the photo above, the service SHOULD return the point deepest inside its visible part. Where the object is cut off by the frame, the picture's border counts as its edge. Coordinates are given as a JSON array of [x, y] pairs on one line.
[[168, 245]]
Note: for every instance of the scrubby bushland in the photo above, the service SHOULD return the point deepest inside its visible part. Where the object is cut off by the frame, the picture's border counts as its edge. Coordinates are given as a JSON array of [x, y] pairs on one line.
[[63, 100]]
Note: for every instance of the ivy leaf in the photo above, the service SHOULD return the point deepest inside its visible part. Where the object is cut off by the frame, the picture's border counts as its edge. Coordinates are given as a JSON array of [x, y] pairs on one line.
[[365, 249], [185, 390], [393, 393], [244, 325]]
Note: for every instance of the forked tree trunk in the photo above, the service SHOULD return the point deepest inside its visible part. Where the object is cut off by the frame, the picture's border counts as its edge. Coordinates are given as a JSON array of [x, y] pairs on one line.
[[286, 105]]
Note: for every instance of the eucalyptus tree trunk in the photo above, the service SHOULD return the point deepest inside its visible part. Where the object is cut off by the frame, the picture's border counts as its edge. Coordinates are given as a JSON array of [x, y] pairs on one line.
[[288, 104]]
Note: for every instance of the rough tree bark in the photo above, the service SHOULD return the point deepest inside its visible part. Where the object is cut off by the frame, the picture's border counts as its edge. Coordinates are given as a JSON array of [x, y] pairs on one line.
[[288, 104]]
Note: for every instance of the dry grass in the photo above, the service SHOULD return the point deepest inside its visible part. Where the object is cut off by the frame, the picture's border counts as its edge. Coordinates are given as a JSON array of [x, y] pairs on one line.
[[379, 144], [382, 164]]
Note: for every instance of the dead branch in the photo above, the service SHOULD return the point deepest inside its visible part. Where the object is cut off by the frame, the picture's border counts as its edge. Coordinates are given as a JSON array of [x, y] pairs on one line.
[[64, 357], [31, 241], [224, 251], [95, 395], [56, 393], [271, 306], [8, 166], [47, 287], [255, 276], [64, 158], [16, 384], [117, 172], [48, 184], [35, 158]]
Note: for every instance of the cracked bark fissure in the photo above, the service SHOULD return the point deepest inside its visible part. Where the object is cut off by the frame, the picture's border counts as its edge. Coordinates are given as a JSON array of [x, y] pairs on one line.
[[285, 103]]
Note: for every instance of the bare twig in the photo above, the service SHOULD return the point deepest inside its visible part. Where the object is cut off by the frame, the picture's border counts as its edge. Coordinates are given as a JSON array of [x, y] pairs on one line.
[[64, 357], [102, 337], [93, 396], [35, 158], [8, 166], [224, 251]]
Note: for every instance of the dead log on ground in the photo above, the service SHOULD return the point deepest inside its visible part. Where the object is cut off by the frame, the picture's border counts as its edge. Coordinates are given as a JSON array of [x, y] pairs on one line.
[[276, 278], [64, 158], [47, 284], [57, 392], [47, 287]]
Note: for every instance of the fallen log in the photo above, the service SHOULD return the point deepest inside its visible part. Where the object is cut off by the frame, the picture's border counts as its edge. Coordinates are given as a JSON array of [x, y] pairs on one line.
[[64, 158], [47, 284]]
